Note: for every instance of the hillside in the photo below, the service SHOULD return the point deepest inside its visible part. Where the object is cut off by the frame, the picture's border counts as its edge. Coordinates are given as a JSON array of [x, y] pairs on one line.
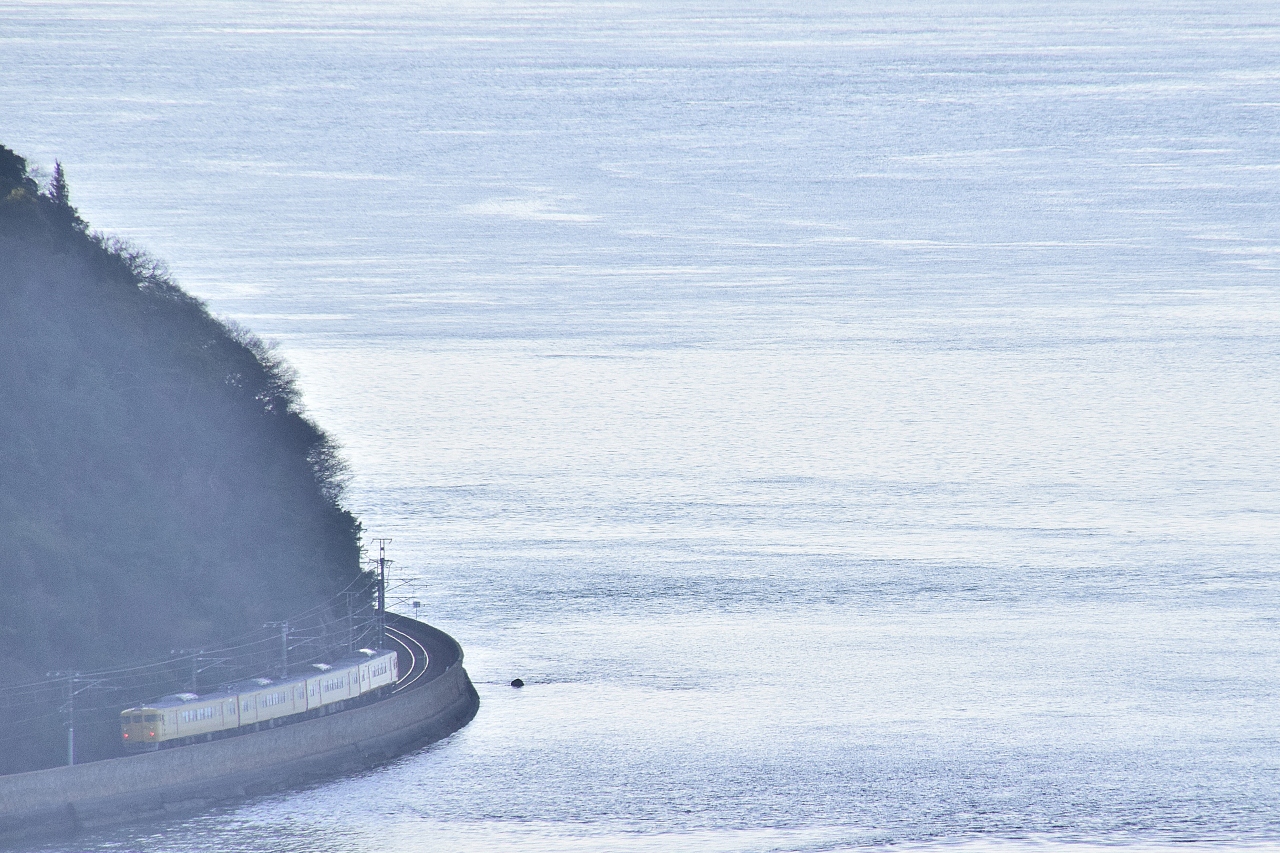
[[160, 487]]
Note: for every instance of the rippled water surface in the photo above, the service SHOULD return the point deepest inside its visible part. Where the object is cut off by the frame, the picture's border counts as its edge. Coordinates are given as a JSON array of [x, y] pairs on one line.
[[856, 423]]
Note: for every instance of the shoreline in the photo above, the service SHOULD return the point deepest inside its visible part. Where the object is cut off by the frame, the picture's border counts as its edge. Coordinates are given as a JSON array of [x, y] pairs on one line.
[[64, 800]]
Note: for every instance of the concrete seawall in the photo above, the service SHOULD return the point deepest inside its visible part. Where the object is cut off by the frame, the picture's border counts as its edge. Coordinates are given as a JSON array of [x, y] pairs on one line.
[[63, 799]]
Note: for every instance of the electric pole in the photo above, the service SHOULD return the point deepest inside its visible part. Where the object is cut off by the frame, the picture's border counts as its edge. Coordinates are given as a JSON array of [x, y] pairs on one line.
[[383, 562], [284, 645], [351, 621], [75, 685], [197, 658]]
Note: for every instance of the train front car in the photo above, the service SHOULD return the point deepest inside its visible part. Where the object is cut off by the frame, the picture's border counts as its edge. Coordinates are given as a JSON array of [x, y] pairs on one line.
[[141, 728], [177, 718]]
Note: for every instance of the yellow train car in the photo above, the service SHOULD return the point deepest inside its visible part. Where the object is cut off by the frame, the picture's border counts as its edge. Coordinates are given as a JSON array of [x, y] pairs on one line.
[[314, 701], [183, 718], [247, 693], [263, 700], [340, 683], [378, 671], [178, 716], [142, 726]]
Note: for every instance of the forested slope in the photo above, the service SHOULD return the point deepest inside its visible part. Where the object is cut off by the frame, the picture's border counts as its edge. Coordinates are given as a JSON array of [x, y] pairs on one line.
[[159, 486]]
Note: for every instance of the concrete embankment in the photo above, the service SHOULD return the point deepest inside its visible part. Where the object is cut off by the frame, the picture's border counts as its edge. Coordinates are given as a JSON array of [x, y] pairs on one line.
[[63, 799]]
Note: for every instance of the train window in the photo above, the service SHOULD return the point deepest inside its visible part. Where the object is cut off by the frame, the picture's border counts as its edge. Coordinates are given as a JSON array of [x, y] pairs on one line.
[[151, 718]]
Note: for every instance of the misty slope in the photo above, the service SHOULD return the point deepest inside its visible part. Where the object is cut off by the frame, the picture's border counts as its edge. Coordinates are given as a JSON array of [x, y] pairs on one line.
[[159, 487]]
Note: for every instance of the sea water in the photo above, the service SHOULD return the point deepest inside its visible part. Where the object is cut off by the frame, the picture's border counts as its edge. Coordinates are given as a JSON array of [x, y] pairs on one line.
[[855, 423]]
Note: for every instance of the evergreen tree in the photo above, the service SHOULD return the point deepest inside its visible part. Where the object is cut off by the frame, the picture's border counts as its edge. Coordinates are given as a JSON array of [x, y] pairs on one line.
[[58, 192], [160, 486], [62, 213]]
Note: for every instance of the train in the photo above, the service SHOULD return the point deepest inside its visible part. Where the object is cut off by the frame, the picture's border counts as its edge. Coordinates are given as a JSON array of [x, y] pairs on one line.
[[184, 718]]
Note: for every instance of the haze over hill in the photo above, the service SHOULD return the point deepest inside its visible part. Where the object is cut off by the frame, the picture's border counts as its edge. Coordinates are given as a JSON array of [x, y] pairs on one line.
[[160, 487]]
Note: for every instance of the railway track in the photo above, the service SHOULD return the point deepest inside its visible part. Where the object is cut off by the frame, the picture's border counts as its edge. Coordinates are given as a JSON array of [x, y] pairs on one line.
[[418, 657]]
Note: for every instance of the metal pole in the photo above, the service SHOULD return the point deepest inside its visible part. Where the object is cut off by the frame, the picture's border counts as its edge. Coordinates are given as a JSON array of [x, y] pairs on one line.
[[382, 591], [382, 574], [71, 721], [200, 662], [197, 658], [284, 645], [71, 678], [351, 624]]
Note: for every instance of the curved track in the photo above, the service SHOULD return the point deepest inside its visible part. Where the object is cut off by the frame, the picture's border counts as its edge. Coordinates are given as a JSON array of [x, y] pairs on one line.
[[157, 784], [419, 660]]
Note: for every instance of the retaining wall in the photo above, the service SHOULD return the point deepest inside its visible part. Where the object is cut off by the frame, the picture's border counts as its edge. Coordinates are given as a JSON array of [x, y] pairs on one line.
[[63, 799]]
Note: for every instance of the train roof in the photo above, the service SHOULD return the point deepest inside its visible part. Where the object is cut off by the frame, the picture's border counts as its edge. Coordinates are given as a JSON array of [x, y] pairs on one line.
[[248, 684], [251, 684], [175, 700]]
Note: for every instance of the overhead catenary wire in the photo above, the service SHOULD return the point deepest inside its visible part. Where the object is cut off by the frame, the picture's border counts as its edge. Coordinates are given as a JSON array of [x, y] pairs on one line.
[[241, 653], [351, 618]]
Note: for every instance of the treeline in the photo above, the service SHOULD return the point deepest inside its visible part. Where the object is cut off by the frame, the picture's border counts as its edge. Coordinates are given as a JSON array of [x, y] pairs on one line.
[[160, 487]]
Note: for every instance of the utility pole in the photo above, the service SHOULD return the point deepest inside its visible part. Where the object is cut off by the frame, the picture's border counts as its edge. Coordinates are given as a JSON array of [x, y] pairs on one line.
[[383, 562], [197, 658], [351, 621], [71, 713], [284, 645], [195, 663], [75, 684]]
